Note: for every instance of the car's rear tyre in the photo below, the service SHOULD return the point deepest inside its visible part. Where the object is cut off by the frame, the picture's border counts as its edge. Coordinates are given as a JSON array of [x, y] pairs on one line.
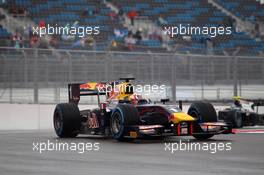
[[67, 120], [203, 112], [124, 115]]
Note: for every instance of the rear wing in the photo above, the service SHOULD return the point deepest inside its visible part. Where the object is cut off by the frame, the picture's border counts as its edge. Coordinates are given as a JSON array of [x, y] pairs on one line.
[[76, 90], [258, 102]]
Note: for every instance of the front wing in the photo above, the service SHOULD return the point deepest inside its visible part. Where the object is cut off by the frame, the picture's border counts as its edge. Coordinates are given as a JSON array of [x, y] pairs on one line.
[[186, 129]]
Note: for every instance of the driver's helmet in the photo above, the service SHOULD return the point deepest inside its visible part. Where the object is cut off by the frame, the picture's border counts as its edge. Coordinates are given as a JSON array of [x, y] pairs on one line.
[[237, 101]]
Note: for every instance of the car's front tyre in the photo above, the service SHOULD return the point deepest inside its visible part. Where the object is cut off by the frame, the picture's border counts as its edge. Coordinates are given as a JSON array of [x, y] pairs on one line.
[[124, 115], [203, 112]]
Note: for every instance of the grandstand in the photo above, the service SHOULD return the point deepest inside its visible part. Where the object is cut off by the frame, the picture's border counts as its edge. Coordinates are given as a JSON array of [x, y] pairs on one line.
[[195, 13], [246, 9], [4, 35]]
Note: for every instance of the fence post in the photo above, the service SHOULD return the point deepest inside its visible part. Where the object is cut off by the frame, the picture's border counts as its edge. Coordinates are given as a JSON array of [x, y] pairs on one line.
[[11, 87], [47, 70], [213, 62], [173, 81], [202, 87], [57, 93], [204, 72], [25, 69], [70, 66], [152, 69], [190, 61], [138, 68], [262, 71], [106, 67], [228, 68], [35, 76], [235, 75], [218, 93], [111, 64]]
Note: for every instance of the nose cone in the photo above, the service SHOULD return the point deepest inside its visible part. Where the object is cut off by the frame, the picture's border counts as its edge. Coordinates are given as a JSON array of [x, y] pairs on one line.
[[179, 117]]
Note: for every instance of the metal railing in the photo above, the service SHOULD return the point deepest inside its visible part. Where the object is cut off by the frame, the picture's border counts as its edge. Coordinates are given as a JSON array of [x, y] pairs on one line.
[[42, 75]]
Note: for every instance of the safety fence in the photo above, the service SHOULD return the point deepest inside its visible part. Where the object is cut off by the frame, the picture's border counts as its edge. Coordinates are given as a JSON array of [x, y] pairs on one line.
[[42, 75]]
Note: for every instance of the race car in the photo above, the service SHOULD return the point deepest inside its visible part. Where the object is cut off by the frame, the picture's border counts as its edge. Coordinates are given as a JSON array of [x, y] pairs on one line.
[[126, 115], [241, 113]]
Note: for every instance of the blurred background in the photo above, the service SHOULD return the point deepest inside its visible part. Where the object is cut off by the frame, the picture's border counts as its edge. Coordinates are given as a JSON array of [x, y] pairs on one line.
[[37, 69]]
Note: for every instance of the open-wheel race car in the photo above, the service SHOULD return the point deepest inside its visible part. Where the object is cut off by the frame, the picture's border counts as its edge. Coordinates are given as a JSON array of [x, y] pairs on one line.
[[126, 115], [242, 113]]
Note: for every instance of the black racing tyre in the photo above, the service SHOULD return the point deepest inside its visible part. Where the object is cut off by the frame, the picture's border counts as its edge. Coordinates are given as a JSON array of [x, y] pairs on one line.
[[237, 120], [203, 112], [123, 115], [67, 120]]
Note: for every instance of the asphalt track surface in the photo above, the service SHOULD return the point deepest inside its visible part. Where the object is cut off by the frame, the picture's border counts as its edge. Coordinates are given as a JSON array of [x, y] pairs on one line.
[[140, 157]]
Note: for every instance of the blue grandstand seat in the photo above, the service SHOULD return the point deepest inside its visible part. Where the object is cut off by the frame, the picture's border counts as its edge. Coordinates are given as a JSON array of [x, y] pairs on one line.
[[197, 13]]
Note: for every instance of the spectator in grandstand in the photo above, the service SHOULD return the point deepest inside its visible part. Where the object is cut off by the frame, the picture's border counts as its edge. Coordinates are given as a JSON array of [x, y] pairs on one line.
[[17, 11], [237, 28], [30, 31], [79, 43], [84, 14], [25, 13], [229, 22], [155, 35], [113, 15], [18, 41], [96, 11], [121, 14], [138, 35], [65, 36], [118, 33], [75, 24], [89, 41], [131, 15], [120, 11], [257, 26], [257, 29], [34, 41], [130, 42], [90, 12], [54, 41], [162, 21], [209, 46], [84, 42], [2, 17], [113, 44], [42, 23]]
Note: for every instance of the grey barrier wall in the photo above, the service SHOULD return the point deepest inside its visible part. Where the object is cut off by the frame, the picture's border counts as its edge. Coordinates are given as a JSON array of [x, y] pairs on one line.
[[33, 70]]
